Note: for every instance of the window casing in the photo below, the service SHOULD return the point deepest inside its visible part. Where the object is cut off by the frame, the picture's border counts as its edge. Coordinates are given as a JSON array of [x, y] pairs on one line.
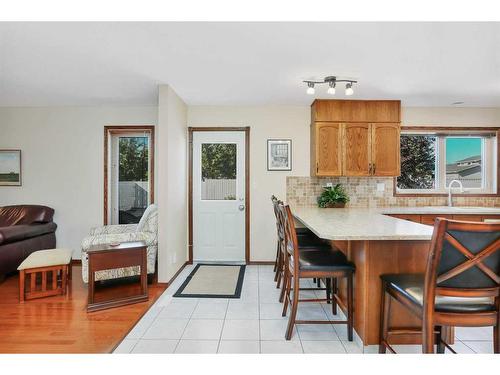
[[478, 176]]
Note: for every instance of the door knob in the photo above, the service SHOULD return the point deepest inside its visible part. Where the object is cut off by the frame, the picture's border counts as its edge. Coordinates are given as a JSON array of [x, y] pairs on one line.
[[241, 207]]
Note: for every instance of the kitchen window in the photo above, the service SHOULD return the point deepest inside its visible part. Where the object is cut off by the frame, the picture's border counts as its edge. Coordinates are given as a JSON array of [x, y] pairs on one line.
[[431, 159]]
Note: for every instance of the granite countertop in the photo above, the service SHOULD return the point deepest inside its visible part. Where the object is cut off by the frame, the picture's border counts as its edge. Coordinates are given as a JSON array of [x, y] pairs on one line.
[[359, 224], [444, 210], [373, 223]]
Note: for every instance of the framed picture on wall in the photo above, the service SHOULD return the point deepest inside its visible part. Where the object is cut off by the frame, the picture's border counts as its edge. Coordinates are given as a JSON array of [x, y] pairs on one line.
[[279, 154], [10, 167]]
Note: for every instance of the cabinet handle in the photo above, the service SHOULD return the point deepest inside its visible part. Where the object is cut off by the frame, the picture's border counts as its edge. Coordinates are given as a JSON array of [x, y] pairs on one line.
[[317, 167], [370, 168], [374, 168]]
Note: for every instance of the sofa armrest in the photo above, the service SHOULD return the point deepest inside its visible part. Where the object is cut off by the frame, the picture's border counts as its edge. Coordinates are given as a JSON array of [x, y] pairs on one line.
[[21, 232], [103, 239], [113, 229]]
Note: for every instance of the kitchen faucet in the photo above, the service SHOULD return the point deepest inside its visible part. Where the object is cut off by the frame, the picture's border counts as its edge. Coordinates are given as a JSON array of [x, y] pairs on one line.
[[450, 202]]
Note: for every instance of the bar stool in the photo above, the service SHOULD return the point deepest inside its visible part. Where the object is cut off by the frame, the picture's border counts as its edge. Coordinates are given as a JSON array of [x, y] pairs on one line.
[[461, 286], [306, 239], [315, 263]]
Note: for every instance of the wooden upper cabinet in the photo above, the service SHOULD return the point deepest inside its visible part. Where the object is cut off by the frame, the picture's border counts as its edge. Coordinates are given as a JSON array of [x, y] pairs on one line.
[[385, 156], [327, 149], [356, 110], [356, 147], [355, 138]]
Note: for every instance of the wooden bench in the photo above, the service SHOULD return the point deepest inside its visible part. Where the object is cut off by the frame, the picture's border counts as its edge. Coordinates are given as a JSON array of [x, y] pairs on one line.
[[54, 270]]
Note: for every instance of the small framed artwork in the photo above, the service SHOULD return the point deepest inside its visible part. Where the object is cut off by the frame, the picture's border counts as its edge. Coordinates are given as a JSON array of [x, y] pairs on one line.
[[10, 167], [279, 154]]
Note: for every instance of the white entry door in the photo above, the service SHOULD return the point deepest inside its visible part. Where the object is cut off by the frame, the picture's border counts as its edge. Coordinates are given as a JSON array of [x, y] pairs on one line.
[[219, 196]]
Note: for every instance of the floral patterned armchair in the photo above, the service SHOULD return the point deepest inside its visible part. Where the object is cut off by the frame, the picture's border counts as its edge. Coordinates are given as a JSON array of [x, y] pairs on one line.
[[146, 230]]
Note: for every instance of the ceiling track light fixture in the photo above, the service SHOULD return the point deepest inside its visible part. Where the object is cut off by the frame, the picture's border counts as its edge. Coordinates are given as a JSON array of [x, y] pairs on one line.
[[332, 83]]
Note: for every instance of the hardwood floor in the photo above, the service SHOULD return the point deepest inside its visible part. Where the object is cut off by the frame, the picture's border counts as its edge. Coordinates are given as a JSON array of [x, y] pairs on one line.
[[61, 324]]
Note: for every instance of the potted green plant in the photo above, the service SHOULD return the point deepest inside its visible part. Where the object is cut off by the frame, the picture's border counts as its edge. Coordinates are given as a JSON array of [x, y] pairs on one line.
[[333, 197]]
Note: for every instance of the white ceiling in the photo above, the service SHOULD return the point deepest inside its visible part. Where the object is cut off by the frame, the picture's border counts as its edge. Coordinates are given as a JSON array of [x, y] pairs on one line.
[[423, 64]]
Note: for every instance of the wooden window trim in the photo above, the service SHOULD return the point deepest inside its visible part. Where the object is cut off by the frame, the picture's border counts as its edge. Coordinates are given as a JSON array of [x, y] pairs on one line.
[[120, 129], [456, 128]]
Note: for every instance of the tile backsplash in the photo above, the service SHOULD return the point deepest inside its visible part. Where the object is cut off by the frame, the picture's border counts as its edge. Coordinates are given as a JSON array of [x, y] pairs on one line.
[[362, 191]]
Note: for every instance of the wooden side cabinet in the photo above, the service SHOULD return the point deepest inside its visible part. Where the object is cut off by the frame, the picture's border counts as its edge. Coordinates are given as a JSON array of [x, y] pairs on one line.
[[356, 149], [385, 158], [326, 150]]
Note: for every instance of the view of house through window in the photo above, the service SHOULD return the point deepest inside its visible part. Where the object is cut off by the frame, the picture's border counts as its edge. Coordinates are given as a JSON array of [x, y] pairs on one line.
[[429, 162], [463, 161], [218, 171]]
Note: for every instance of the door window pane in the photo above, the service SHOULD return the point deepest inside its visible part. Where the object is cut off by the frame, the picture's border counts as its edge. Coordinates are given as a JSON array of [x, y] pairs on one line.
[[418, 162], [218, 171], [464, 161], [133, 178]]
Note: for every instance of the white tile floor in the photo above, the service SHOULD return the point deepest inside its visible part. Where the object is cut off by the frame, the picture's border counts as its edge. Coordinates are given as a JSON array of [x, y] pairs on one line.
[[253, 324]]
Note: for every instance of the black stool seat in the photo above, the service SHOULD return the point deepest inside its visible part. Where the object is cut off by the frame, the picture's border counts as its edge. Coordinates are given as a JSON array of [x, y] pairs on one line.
[[411, 286], [324, 261], [308, 239]]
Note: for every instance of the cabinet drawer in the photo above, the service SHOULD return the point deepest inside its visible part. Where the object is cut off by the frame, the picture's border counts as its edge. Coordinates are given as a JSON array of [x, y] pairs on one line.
[[468, 217], [409, 217], [429, 219]]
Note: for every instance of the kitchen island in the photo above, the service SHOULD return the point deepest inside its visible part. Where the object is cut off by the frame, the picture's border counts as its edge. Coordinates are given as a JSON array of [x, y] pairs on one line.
[[379, 244]]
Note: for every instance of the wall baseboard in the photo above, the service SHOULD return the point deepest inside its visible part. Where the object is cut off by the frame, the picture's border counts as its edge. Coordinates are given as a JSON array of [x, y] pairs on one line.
[[169, 282], [260, 263]]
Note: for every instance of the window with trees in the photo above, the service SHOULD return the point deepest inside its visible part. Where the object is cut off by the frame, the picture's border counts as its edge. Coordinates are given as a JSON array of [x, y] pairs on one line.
[[432, 159], [129, 173]]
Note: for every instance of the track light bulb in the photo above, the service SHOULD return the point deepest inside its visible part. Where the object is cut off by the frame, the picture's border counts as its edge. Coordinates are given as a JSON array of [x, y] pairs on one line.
[[310, 88], [331, 89], [348, 89]]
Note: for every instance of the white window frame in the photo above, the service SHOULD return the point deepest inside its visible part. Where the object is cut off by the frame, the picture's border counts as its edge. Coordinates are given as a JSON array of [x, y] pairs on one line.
[[489, 162]]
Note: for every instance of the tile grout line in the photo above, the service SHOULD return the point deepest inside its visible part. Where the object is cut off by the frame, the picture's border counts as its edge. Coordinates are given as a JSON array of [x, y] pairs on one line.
[[184, 330], [223, 325]]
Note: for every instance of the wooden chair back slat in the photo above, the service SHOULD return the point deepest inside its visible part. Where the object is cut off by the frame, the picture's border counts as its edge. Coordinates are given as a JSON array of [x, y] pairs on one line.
[[464, 260]]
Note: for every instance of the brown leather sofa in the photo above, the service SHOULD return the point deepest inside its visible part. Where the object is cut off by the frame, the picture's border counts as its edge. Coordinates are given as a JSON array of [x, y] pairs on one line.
[[23, 230]]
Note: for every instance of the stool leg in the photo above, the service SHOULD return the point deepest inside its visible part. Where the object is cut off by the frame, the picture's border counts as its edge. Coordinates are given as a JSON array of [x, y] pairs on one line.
[[385, 312], [350, 302], [439, 340], [21, 285], [286, 278], [328, 287], [427, 335], [64, 278], [334, 293], [496, 330], [285, 292], [293, 314]]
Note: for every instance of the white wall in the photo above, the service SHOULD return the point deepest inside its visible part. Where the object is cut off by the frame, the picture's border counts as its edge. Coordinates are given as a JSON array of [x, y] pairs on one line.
[[172, 183], [62, 161], [62, 149], [293, 122], [446, 116], [290, 122]]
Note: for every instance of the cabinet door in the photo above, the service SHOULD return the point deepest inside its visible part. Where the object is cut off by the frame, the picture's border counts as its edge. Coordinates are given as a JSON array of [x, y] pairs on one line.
[[356, 149], [430, 219], [328, 149], [385, 150], [468, 217]]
